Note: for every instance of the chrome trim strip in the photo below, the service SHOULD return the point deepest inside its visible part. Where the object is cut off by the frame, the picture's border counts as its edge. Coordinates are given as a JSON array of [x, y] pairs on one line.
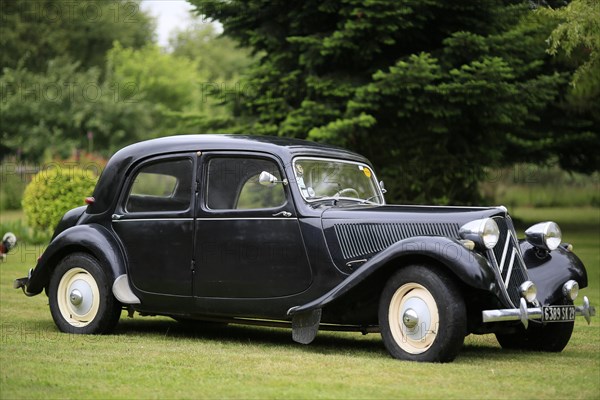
[[504, 253], [510, 267], [152, 219], [204, 219], [248, 219]]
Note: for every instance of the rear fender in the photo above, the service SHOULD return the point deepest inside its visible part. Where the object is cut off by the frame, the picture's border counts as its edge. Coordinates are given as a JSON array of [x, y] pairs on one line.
[[468, 266], [93, 239]]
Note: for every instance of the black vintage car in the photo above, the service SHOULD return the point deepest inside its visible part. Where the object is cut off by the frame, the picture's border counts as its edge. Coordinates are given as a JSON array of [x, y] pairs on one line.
[[281, 232]]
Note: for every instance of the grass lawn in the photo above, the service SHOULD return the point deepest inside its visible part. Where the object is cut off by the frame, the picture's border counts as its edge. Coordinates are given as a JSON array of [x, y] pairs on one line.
[[158, 358]]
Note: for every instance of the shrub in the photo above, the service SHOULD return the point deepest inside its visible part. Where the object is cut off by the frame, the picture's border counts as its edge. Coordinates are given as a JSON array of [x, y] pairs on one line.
[[52, 192]]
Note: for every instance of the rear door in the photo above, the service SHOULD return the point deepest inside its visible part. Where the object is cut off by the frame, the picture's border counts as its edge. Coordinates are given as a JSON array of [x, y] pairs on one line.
[[154, 220]]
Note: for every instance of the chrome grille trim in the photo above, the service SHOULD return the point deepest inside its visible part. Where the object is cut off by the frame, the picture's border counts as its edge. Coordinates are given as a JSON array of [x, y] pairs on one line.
[[364, 239], [509, 260]]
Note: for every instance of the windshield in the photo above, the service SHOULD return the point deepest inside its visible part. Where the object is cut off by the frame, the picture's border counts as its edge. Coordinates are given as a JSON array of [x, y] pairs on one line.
[[319, 179]]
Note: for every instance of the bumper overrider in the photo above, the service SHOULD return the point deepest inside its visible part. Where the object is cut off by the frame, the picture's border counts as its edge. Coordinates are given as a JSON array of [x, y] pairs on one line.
[[556, 313], [21, 283]]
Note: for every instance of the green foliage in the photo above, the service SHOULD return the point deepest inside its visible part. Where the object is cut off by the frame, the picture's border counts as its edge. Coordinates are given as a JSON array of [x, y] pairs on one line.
[[125, 90], [54, 191], [35, 31], [578, 35], [433, 92], [52, 112], [159, 78], [530, 185], [12, 186]]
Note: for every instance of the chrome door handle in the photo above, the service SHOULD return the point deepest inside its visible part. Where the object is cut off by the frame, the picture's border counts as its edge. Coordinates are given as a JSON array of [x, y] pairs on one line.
[[283, 214], [116, 217]]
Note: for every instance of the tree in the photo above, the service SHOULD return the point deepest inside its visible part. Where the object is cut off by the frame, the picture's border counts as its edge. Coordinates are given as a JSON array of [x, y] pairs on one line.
[[578, 35], [51, 112], [431, 91], [36, 31]]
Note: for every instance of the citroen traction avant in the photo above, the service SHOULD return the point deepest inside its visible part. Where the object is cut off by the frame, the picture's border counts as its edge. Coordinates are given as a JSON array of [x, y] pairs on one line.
[[284, 232]]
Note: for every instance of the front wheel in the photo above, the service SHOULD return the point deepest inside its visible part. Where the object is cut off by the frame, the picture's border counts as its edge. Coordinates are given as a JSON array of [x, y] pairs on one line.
[[422, 315], [551, 337], [80, 296]]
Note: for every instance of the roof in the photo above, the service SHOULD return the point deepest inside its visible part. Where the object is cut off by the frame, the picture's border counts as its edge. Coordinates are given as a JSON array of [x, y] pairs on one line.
[[284, 148]]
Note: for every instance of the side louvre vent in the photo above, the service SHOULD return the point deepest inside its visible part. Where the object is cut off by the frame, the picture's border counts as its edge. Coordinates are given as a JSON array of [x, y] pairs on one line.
[[360, 240]]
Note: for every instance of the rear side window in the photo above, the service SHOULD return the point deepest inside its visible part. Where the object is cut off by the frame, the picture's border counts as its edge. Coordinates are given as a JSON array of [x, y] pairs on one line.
[[161, 186]]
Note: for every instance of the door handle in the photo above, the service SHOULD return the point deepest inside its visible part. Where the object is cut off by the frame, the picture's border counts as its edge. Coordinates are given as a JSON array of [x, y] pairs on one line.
[[116, 217], [283, 214]]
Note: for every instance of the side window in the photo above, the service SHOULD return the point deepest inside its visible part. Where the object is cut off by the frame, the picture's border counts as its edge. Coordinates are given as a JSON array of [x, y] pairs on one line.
[[233, 184], [161, 186]]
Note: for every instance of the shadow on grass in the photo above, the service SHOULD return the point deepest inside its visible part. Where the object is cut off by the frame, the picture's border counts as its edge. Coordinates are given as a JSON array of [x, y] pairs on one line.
[[325, 343]]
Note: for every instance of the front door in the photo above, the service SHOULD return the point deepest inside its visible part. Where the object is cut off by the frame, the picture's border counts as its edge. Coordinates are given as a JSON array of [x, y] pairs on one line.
[[154, 220], [248, 239]]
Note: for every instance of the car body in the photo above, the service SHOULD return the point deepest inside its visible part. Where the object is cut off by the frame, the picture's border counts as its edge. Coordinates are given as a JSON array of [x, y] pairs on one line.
[[275, 231]]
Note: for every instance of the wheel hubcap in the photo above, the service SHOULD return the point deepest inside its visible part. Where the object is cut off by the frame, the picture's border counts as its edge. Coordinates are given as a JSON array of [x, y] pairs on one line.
[[410, 319], [76, 297]]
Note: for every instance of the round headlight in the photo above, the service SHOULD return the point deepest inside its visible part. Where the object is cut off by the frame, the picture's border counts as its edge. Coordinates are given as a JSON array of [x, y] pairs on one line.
[[545, 235], [484, 232], [490, 234]]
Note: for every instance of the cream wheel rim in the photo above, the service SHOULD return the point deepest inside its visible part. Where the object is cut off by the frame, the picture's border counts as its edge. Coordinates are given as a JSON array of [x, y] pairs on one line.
[[78, 297], [413, 318]]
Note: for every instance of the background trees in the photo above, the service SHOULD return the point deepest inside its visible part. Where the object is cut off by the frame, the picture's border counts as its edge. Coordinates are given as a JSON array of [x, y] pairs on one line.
[[435, 93], [432, 91], [72, 70]]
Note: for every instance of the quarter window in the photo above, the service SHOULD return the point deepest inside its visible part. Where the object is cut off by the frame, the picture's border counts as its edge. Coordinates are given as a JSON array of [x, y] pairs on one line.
[[233, 184], [161, 186]]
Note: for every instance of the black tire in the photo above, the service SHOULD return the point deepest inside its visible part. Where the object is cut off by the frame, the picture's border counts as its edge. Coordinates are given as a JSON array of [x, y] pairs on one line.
[[435, 299], [81, 298], [552, 337]]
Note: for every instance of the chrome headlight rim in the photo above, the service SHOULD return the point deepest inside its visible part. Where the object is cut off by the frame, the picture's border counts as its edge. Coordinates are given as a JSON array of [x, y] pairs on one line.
[[484, 232], [528, 291], [544, 235], [571, 289]]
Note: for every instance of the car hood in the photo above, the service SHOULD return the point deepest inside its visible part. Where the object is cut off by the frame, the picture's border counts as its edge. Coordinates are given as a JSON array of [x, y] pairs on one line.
[[360, 232], [406, 214]]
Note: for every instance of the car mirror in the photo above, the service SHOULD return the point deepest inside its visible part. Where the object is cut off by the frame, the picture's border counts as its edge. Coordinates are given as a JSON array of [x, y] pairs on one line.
[[269, 180], [382, 187]]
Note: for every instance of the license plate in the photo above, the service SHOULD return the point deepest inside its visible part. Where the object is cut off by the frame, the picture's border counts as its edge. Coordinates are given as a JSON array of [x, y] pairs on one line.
[[558, 313]]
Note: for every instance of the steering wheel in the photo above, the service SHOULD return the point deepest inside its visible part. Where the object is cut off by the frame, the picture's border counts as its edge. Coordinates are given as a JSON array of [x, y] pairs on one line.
[[348, 190]]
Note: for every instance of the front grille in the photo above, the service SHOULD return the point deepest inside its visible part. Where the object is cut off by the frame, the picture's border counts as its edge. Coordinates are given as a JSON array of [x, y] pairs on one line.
[[365, 239], [509, 260]]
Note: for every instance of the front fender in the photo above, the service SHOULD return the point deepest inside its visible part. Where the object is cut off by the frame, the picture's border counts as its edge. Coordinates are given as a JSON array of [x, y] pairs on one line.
[[93, 238], [470, 267], [551, 270]]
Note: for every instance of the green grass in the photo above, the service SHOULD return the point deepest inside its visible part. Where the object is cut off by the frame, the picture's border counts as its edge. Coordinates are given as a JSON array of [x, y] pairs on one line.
[[158, 358]]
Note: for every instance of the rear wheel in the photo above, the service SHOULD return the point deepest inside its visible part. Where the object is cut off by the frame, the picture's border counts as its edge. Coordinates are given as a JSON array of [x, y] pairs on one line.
[[422, 315], [80, 296]]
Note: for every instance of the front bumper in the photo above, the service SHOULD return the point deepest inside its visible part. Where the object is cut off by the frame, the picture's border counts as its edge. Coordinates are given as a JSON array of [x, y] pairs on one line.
[[525, 314]]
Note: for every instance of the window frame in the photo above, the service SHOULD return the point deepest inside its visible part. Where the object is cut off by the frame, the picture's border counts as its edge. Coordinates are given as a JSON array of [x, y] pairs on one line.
[[343, 160], [209, 156], [134, 172]]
